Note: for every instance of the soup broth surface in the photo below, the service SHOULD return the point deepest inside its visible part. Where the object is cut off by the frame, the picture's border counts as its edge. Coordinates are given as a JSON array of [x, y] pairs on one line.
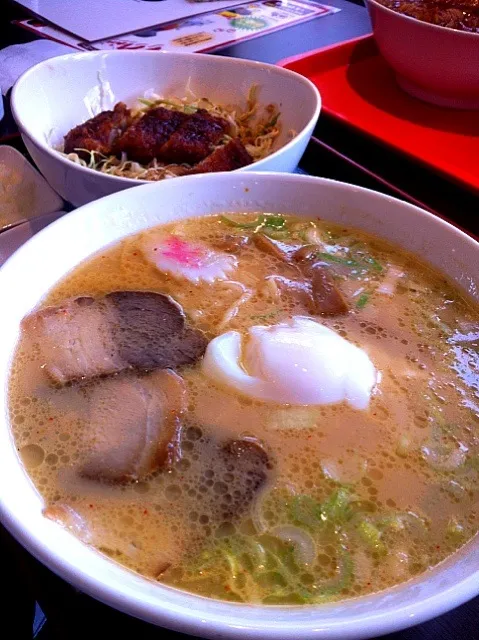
[[353, 500]]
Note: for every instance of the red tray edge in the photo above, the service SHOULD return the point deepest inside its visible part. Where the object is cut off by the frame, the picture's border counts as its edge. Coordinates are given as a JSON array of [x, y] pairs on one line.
[[464, 183], [285, 62]]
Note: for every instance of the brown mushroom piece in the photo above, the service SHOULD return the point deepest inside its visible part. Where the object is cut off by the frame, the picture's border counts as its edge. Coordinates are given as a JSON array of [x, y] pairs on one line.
[[297, 292], [270, 246], [90, 337], [305, 256], [230, 243], [328, 299]]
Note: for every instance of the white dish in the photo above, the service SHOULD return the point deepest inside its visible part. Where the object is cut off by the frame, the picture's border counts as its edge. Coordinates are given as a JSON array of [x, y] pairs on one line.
[[12, 239], [85, 231], [70, 89], [24, 194]]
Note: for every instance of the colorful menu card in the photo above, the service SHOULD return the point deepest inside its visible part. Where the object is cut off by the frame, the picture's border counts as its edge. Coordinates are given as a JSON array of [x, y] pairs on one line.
[[99, 19], [204, 32]]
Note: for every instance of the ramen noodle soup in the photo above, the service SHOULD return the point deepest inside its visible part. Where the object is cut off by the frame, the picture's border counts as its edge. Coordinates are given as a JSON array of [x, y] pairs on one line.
[[256, 408]]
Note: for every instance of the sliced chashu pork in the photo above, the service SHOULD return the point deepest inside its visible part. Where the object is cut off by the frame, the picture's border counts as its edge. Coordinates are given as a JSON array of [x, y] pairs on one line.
[[92, 526], [248, 467], [132, 425], [89, 337]]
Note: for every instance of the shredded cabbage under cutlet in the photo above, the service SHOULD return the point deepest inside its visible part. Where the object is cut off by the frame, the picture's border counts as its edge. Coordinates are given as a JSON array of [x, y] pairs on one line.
[[257, 133]]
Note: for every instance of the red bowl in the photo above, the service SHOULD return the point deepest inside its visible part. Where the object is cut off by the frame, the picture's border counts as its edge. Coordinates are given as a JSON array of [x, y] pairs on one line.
[[435, 64]]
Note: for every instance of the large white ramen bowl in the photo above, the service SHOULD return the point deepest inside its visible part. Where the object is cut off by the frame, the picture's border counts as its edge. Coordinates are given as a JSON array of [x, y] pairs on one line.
[[56, 95], [56, 250]]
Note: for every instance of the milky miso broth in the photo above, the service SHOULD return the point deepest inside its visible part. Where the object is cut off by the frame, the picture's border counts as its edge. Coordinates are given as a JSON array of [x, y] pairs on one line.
[[333, 501]]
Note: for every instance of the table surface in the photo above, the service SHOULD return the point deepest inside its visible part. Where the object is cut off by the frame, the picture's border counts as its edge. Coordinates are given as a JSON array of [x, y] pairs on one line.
[[67, 613]]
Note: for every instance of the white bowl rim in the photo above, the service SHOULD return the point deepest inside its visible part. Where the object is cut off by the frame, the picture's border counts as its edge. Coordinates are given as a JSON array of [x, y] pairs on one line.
[[469, 34], [176, 54], [230, 620]]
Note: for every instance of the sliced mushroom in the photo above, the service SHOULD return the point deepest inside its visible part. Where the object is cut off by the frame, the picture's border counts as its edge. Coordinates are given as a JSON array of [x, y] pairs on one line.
[[231, 243], [269, 246], [297, 292], [305, 253], [328, 299]]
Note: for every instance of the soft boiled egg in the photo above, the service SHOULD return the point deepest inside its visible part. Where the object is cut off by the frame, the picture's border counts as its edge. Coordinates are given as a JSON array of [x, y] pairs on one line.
[[299, 362], [193, 261]]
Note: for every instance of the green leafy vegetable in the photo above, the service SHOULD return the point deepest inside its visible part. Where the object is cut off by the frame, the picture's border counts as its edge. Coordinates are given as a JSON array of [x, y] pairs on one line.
[[309, 512], [301, 596], [444, 450], [472, 463], [267, 561], [240, 225], [321, 592], [362, 300], [271, 579], [269, 568], [454, 528], [233, 563], [438, 323], [276, 222], [147, 103], [344, 580], [272, 123], [264, 222], [274, 226], [331, 257], [360, 252], [402, 521], [271, 565], [371, 535], [366, 263], [338, 506], [373, 263], [306, 511], [265, 316], [96, 157], [168, 103]]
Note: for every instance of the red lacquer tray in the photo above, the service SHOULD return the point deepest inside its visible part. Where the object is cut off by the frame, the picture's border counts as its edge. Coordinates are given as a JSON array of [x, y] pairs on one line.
[[358, 88]]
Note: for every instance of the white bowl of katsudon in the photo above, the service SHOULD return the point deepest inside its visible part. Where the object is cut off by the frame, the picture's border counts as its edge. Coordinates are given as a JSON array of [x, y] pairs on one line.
[[244, 405], [100, 122]]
